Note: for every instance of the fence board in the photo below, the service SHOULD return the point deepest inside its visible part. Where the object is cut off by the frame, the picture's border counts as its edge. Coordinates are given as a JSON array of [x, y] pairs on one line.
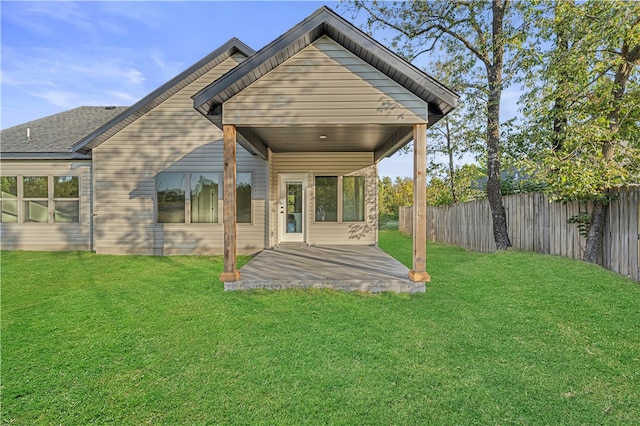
[[539, 225]]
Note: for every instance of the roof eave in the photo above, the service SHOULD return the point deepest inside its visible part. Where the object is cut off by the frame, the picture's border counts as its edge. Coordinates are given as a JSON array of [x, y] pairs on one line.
[[45, 156]]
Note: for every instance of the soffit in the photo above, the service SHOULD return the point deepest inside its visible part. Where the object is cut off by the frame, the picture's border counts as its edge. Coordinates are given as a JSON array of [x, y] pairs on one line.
[[334, 138]]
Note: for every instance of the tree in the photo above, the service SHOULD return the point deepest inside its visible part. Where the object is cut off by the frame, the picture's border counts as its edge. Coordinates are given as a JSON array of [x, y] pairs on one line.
[[467, 185], [458, 134], [478, 36], [583, 116], [392, 195]]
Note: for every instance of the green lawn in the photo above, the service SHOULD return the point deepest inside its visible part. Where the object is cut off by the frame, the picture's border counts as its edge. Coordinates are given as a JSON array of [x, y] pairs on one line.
[[505, 338]]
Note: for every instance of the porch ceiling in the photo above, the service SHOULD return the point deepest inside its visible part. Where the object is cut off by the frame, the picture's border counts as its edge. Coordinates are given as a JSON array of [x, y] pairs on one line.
[[341, 138]]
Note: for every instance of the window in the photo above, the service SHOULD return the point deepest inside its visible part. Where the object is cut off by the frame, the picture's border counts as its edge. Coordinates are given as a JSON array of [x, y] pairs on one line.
[[35, 190], [171, 197], [194, 197], [326, 198], [353, 198], [204, 197], [243, 197], [9, 198], [66, 199], [352, 201], [40, 199]]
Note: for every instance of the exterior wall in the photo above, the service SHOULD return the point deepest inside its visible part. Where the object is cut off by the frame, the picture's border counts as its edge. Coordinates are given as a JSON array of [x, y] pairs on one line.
[[173, 137], [328, 164], [50, 236], [324, 84]]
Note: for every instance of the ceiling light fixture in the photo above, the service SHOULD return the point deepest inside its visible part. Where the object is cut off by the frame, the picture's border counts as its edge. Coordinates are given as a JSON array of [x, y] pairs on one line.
[[322, 136]]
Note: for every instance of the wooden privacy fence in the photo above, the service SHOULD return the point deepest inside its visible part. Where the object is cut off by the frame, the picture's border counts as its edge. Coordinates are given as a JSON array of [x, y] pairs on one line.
[[539, 225]]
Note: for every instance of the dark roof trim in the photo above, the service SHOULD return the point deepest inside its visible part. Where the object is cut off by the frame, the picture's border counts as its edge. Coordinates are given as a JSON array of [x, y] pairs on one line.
[[45, 156], [163, 92], [324, 22]]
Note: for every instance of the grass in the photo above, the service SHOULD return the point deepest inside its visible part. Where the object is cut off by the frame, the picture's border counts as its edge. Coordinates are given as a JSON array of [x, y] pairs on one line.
[[504, 338]]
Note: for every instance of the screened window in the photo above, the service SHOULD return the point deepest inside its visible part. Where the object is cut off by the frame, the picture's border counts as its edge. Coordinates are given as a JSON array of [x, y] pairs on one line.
[[243, 197], [66, 199], [326, 198], [353, 198], [35, 199], [171, 197], [204, 197], [9, 198]]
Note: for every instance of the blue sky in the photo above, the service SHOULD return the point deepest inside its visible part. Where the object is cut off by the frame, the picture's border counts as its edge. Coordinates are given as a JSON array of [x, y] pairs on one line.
[[60, 55]]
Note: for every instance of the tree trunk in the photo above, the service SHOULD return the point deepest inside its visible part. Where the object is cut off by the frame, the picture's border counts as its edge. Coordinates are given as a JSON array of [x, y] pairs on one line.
[[452, 168], [559, 107], [623, 73], [594, 236], [494, 73], [494, 195]]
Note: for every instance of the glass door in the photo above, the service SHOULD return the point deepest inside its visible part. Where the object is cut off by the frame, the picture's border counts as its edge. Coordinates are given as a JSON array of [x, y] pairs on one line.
[[294, 207], [291, 226]]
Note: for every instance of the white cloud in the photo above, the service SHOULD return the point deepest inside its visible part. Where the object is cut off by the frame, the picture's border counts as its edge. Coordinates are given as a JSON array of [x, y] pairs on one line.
[[146, 13], [121, 98], [66, 99], [168, 69], [68, 79]]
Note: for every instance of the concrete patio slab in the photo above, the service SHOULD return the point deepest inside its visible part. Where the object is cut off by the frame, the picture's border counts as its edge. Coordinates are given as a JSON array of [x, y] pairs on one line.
[[351, 268]]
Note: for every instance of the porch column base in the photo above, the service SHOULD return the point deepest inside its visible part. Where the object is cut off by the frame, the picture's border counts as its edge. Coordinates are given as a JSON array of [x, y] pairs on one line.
[[230, 276], [419, 277]]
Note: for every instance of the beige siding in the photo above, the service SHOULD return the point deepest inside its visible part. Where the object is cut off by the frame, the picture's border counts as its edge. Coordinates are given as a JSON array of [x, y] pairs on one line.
[[50, 236], [324, 84], [173, 137], [328, 164]]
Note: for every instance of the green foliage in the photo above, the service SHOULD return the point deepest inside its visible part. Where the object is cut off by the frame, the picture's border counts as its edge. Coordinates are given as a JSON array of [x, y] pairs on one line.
[[66, 187], [590, 86], [466, 186], [583, 220], [35, 186], [513, 182], [392, 195], [501, 338], [9, 186]]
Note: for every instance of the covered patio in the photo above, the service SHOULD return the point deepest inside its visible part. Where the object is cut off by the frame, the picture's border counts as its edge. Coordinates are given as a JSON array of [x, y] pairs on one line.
[[327, 93], [351, 268]]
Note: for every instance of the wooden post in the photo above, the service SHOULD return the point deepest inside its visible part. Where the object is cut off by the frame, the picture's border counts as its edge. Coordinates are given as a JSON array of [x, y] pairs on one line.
[[419, 271], [229, 210]]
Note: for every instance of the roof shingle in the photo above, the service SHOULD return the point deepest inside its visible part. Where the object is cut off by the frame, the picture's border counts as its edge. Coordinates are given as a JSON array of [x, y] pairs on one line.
[[56, 133]]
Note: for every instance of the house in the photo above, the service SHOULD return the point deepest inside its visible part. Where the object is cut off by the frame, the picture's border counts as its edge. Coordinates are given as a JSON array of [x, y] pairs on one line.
[[240, 152]]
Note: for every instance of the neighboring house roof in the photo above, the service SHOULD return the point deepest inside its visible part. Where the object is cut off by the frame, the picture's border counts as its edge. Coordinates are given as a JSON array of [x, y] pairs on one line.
[[325, 21], [55, 135], [162, 93]]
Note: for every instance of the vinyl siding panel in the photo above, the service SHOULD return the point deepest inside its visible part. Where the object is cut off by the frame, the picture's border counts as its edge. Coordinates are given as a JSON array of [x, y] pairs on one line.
[[173, 137], [324, 84], [50, 236], [328, 164]]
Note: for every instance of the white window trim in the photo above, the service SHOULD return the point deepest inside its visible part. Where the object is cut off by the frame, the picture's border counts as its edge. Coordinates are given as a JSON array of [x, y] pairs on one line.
[[339, 201], [50, 199]]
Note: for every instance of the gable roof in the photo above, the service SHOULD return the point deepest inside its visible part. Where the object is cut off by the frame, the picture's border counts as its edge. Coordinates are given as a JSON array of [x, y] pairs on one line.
[[325, 21], [54, 136], [162, 93]]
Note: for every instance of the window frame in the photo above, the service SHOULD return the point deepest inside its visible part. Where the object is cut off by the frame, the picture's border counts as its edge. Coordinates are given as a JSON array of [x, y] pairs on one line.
[[251, 185], [55, 199], [12, 199], [364, 198], [340, 200], [21, 199], [187, 204], [187, 200]]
